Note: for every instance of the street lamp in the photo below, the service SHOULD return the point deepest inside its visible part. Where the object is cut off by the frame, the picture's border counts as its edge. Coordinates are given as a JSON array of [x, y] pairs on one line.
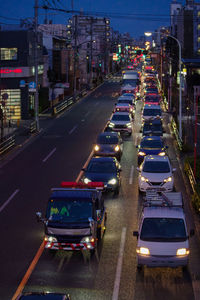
[[180, 83]]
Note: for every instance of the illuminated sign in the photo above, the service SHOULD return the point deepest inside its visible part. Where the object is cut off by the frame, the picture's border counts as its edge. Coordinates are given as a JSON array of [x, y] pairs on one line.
[[8, 71]]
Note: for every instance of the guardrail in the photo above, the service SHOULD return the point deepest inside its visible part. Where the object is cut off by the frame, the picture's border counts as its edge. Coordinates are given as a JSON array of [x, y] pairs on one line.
[[196, 196], [32, 127], [176, 133], [61, 106], [7, 144]]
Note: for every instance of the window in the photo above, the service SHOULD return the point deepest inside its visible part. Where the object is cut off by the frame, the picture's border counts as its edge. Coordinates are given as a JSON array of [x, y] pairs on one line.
[[12, 107], [8, 53]]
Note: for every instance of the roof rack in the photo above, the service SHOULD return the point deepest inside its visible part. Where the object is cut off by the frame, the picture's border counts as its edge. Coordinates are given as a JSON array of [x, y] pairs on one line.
[[167, 199]]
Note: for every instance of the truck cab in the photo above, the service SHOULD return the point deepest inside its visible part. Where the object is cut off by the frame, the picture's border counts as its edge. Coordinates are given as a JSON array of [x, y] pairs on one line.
[[162, 237], [75, 217]]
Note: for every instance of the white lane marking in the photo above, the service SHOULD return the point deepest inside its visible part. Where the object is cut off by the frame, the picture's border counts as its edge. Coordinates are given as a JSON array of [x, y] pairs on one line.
[[45, 159], [70, 132], [131, 175], [9, 199], [119, 265], [87, 114]]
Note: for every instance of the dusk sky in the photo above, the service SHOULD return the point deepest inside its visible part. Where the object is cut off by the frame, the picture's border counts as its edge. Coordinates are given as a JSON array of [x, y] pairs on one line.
[[134, 17]]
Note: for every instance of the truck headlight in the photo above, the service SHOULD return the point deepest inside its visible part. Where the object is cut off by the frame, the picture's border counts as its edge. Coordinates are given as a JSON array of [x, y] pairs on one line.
[[143, 250], [86, 180], [50, 239], [87, 239], [96, 148], [182, 251], [116, 148], [144, 179], [162, 153], [141, 153], [169, 179], [112, 181]]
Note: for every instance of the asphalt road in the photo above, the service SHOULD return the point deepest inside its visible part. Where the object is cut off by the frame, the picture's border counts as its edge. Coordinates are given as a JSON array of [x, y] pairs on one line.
[[58, 154]]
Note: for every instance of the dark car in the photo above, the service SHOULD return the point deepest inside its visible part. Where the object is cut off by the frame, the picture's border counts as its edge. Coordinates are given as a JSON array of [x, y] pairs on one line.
[[43, 295], [109, 144], [153, 127], [151, 145], [106, 170]]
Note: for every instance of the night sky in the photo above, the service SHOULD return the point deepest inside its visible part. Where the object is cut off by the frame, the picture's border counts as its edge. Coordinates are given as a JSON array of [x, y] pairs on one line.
[[131, 16]]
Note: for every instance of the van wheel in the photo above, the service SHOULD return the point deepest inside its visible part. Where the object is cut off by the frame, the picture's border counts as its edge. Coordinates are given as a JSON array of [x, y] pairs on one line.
[[185, 268], [139, 268]]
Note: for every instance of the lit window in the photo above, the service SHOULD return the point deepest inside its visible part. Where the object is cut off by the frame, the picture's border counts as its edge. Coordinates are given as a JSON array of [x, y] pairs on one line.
[[8, 53]]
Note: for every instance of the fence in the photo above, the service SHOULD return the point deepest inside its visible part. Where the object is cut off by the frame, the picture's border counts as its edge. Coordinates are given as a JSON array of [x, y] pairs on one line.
[[7, 144], [176, 133]]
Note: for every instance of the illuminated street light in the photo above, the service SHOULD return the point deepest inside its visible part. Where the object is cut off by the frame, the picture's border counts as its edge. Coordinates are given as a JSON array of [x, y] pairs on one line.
[[180, 83]]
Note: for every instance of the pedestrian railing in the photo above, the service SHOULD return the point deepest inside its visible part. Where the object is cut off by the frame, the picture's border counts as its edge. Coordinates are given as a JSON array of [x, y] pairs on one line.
[[7, 144], [188, 170], [33, 127], [61, 106], [176, 133]]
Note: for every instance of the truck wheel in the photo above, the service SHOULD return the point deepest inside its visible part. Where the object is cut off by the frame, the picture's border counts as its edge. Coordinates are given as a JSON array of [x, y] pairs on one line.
[[139, 268]]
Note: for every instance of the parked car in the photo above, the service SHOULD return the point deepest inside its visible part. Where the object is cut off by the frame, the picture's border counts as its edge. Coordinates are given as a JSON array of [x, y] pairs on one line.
[[109, 144], [156, 172], [106, 170]]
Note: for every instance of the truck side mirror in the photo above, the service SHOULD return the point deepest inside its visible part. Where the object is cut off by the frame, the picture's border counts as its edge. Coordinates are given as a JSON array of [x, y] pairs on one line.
[[39, 216], [135, 233]]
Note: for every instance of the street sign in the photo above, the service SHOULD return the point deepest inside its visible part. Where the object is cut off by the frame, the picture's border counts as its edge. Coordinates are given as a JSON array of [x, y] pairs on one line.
[[22, 83], [32, 86]]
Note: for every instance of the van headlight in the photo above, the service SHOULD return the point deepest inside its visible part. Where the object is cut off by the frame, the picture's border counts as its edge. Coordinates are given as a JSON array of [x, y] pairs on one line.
[[144, 179], [112, 181], [143, 251], [86, 180], [50, 239], [87, 239], [182, 251], [116, 148], [169, 179], [96, 148]]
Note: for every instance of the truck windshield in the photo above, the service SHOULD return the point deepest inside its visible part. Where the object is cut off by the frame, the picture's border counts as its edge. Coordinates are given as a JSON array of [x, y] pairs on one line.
[[68, 210], [163, 229]]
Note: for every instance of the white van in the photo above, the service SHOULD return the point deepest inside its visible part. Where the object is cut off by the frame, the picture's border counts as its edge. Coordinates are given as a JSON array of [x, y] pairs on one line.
[[163, 239]]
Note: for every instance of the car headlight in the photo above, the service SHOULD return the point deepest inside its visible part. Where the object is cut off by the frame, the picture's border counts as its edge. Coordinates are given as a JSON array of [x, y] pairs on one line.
[[141, 153], [117, 148], [87, 239], [162, 153], [86, 180], [143, 250], [96, 148], [182, 251], [50, 239], [169, 179], [144, 179], [129, 125], [112, 181], [111, 124]]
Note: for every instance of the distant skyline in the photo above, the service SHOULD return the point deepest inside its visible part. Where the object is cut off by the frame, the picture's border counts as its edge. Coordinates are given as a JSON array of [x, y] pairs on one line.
[[134, 17]]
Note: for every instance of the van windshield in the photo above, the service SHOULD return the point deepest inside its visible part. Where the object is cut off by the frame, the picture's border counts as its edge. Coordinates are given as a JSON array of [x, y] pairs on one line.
[[163, 229]]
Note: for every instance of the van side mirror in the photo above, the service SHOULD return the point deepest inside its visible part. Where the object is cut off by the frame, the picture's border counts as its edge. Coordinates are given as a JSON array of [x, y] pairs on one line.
[[174, 169], [192, 232], [135, 233]]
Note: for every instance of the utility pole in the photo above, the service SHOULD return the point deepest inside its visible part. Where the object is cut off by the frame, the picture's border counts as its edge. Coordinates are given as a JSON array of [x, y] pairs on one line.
[[91, 50], [36, 66], [75, 56]]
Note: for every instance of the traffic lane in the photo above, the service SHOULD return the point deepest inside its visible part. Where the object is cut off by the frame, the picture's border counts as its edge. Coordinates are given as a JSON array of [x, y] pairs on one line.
[[36, 192], [77, 272], [46, 144]]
